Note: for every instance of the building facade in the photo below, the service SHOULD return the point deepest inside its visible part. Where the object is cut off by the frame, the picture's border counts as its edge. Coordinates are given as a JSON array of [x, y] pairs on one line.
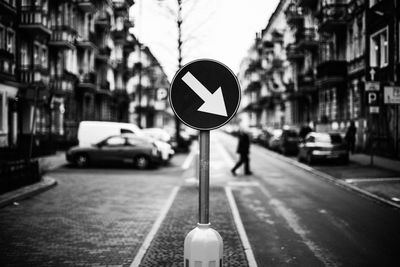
[[335, 49], [61, 62]]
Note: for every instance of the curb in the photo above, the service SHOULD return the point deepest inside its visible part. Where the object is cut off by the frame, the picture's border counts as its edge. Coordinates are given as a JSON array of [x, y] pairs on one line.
[[27, 191], [333, 180]]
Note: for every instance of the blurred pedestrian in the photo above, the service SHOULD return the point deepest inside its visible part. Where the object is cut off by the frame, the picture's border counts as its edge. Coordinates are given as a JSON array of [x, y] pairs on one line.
[[351, 137], [243, 150], [304, 130]]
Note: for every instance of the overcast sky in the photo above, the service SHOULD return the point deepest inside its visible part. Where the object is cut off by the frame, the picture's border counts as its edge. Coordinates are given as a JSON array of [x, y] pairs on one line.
[[218, 29]]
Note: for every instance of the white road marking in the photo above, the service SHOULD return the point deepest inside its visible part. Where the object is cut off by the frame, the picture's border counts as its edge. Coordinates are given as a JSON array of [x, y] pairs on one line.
[[189, 159], [294, 223], [225, 155], [146, 243], [239, 225], [355, 180]]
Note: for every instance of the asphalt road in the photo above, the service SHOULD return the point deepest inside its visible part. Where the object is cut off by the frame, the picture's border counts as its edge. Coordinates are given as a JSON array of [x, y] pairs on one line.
[[293, 218], [93, 217]]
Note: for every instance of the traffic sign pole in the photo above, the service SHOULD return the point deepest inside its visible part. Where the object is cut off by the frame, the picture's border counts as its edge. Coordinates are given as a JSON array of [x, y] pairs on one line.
[[204, 179], [204, 94]]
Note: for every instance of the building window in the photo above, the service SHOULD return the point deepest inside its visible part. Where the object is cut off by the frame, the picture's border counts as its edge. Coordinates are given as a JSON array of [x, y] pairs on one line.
[[379, 51], [2, 38], [10, 41], [24, 55]]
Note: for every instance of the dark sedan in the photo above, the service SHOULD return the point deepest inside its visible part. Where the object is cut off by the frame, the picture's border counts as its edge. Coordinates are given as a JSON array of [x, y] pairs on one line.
[[323, 146], [140, 152]]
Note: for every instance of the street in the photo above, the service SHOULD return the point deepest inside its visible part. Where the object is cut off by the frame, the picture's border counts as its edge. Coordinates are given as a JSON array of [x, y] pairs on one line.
[[101, 217]]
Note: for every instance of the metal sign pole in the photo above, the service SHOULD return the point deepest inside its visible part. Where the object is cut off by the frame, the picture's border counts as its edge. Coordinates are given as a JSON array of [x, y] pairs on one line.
[[203, 244], [204, 177]]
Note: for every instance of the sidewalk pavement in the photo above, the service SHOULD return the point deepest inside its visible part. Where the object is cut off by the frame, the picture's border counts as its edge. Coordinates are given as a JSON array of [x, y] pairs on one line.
[[386, 163], [46, 164], [51, 162], [166, 249]]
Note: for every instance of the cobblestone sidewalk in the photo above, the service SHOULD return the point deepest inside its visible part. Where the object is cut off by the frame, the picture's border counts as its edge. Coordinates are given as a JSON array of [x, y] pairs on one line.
[[166, 249]]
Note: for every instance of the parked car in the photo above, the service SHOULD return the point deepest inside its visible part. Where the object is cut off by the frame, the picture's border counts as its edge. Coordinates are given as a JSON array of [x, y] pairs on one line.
[[264, 137], [92, 132], [164, 139], [323, 146], [289, 142], [255, 133], [126, 148], [274, 140]]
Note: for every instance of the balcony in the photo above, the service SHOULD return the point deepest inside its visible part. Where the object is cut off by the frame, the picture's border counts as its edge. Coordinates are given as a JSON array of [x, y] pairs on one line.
[[34, 21], [87, 81], [87, 5], [103, 21], [333, 16], [293, 53], [63, 84], [88, 41], [8, 7], [331, 71], [306, 82], [35, 74], [307, 38], [62, 37], [294, 15], [103, 55]]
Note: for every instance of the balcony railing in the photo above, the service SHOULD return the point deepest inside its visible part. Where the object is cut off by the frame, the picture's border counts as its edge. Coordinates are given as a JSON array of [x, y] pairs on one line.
[[87, 82], [103, 20], [333, 15], [34, 21], [306, 82], [33, 74], [307, 38], [331, 71], [61, 84], [62, 38]]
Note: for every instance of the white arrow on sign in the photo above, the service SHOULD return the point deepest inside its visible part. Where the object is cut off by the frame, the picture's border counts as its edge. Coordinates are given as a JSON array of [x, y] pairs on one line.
[[213, 103]]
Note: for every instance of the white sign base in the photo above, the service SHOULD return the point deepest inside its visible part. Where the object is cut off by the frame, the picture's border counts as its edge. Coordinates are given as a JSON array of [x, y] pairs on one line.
[[203, 247]]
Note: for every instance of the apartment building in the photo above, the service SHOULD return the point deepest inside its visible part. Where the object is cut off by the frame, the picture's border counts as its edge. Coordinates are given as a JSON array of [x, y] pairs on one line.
[[61, 62], [336, 51]]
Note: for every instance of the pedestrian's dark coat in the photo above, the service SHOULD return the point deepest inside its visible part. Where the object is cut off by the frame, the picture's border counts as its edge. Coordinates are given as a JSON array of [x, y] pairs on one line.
[[244, 144]]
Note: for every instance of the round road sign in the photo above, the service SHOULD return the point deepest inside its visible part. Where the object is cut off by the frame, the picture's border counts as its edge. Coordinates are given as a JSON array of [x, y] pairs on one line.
[[204, 94]]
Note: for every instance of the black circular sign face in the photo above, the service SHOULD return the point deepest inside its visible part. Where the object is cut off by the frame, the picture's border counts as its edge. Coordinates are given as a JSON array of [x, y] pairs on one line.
[[204, 94]]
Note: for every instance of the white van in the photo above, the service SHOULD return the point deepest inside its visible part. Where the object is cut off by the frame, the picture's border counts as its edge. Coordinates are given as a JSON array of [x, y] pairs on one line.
[[92, 132]]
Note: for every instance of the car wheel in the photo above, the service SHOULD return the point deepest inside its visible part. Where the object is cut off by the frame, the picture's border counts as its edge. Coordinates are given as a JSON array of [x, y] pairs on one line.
[[309, 159], [142, 162], [82, 160]]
